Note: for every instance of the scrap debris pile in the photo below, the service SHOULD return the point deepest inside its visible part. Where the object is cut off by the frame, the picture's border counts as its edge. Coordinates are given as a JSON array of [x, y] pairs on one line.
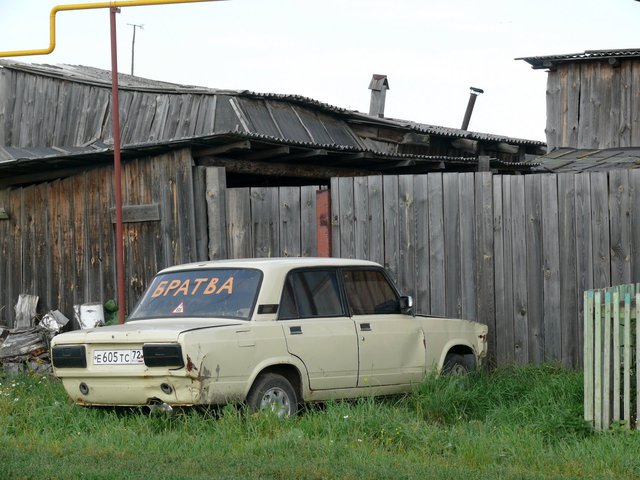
[[26, 347]]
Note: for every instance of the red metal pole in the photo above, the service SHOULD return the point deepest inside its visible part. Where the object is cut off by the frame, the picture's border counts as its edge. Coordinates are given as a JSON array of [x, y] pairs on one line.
[[117, 170]]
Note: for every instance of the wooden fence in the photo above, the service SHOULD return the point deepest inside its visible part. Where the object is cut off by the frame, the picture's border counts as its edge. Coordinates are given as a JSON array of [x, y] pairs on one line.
[[514, 252], [612, 357]]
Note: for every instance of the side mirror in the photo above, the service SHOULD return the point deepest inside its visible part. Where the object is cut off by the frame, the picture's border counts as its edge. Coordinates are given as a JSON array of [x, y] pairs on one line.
[[406, 304]]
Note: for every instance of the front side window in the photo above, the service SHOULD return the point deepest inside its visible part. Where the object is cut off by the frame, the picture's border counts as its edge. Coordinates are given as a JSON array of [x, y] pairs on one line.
[[311, 293], [369, 292], [226, 293]]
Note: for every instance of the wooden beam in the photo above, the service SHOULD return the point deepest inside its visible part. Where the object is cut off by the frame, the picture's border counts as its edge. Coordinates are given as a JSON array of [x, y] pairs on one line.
[[138, 213], [226, 148], [396, 164], [465, 145], [377, 133], [306, 154], [413, 138], [504, 147], [358, 155], [281, 169], [45, 176], [266, 153], [540, 150]]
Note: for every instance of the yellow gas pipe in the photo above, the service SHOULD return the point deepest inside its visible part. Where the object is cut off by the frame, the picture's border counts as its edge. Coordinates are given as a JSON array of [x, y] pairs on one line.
[[89, 6]]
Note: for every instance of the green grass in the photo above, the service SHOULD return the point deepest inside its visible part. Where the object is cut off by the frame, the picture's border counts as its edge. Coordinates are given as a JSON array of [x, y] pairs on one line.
[[514, 423]]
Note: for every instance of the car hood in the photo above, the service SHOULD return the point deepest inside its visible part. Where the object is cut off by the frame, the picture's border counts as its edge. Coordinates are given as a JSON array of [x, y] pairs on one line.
[[143, 331]]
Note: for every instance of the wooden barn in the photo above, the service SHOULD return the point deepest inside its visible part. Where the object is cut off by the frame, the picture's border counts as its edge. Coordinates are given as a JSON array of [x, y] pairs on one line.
[[592, 99]]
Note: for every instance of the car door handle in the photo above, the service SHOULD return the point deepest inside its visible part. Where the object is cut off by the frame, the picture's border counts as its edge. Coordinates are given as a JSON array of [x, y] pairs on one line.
[[365, 327], [297, 330]]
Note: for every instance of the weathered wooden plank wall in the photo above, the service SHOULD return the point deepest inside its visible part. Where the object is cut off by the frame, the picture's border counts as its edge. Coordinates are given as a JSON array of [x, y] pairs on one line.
[[58, 242], [513, 252], [263, 222], [593, 105]]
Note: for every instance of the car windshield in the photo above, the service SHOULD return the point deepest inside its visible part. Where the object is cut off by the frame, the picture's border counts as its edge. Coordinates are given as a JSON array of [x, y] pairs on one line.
[[226, 293]]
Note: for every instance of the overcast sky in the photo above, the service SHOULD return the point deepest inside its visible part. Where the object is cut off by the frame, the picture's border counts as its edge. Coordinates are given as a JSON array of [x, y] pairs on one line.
[[431, 50]]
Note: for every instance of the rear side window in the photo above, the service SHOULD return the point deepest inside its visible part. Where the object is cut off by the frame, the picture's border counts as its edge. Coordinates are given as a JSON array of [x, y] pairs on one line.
[[369, 292], [310, 293]]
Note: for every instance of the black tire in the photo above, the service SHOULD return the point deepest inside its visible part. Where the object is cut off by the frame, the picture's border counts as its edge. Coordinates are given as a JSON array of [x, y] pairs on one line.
[[458, 364], [274, 393]]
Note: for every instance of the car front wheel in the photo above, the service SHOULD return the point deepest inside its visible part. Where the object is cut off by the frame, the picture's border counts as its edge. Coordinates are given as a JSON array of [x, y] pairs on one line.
[[273, 393]]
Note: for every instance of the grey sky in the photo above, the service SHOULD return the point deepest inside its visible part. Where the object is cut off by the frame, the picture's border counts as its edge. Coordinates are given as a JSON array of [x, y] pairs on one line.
[[431, 50]]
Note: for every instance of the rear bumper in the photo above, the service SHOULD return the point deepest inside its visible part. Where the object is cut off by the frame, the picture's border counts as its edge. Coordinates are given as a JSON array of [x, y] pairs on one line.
[[133, 391]]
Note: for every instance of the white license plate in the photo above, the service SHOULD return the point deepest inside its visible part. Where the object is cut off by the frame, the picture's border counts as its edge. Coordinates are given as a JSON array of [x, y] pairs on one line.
[[118, 357]]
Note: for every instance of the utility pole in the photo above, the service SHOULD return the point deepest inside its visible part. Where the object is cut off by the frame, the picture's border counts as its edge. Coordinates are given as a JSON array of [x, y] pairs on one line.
[[133, 43]]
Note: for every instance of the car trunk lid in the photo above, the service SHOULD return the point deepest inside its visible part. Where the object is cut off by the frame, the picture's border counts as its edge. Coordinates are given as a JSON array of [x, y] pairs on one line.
[[142, 331]]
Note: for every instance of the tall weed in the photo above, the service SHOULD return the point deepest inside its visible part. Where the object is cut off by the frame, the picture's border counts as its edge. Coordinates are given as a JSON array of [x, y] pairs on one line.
[[543, 399]]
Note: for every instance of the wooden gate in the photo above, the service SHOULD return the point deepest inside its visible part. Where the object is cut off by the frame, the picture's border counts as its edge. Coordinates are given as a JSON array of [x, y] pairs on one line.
[[258, 221]]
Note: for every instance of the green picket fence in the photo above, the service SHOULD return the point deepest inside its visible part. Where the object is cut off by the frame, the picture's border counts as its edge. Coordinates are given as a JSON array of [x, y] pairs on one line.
[[612, 357]]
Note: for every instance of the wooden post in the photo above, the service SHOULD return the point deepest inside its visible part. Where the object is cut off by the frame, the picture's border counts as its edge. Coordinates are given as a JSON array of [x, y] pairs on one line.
[[627, 361], [588, 356], [323, 222], [597, 361], [606, 367], [616, 355], [216, 198], [637, 358], [484, 163]]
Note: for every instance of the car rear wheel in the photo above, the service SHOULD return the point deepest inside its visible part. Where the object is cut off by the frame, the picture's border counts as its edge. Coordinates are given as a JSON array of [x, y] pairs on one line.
[[458, 364], [273, 393]]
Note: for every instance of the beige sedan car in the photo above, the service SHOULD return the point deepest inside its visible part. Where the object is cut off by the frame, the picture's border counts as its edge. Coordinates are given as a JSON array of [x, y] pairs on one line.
[[270, 332]]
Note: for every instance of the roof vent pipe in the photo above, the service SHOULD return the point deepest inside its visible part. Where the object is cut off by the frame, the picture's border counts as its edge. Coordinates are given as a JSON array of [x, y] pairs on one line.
[[473, 93], [378, 86]]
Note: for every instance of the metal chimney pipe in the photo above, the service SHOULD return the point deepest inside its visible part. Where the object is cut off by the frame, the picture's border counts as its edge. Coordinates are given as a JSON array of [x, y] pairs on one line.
[[378, 86], [474, 92]]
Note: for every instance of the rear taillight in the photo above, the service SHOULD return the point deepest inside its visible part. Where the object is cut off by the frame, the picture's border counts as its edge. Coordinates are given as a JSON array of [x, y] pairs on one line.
[[69, 356], [163, 355]]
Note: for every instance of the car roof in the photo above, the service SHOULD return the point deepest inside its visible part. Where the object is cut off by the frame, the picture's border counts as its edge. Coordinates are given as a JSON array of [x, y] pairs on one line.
[[274, 263]]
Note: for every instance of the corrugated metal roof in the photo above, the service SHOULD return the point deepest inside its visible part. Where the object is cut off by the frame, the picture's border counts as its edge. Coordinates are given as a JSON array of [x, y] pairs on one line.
[[95, 76], [548, 61], [589, 160], [457, 133]]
